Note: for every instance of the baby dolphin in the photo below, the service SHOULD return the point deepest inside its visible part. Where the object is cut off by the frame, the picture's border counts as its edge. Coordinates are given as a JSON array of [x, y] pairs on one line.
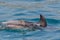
[[18, 24]]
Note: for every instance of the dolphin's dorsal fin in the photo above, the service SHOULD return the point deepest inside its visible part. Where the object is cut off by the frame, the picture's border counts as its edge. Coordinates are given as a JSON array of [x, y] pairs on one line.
[[43, 22]]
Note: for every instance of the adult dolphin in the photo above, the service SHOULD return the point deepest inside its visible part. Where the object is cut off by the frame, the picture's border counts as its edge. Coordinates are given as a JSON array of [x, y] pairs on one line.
[[18, 24]]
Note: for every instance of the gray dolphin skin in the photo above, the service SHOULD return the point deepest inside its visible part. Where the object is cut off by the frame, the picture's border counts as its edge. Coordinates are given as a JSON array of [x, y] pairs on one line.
[[18, 24]]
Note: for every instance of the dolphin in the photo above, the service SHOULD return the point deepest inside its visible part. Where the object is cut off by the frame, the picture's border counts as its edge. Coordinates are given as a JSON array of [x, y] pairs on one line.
[[19, 24]]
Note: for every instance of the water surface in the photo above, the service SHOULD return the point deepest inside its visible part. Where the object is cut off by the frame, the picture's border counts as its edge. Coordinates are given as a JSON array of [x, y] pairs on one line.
[[30, 10]]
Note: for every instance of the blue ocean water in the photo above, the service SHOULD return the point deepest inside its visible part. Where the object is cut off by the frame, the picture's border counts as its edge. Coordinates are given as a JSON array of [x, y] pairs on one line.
[[30, 10]]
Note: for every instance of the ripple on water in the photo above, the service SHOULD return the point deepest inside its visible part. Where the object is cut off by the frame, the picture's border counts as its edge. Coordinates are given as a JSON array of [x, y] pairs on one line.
[[19, 14]]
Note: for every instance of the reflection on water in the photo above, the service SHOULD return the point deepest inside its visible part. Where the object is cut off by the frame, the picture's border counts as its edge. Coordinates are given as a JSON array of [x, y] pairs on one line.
[[30, 10]]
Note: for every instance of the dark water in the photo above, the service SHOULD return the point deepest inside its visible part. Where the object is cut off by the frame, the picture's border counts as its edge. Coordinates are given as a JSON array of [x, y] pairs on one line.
[[30, 10]]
